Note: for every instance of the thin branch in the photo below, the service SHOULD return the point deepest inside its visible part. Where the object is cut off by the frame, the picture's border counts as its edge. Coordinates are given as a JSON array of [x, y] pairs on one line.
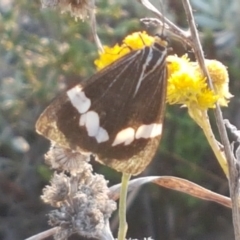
[[44, 234], [94, 27], [168, 25], [180, 35]]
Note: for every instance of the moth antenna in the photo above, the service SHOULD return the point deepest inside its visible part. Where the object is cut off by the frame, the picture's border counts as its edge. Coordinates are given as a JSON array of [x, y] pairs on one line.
[[142, 39], [126, 46]]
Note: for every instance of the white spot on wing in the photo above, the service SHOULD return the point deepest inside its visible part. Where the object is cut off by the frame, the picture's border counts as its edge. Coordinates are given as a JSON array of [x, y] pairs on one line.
[[79, 99], [92, 123], [125, 136], [102, 135], [149, 131]]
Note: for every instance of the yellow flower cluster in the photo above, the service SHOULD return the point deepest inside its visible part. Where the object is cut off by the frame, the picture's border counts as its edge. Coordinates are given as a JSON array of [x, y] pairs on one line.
[[185, 87], [219, 75], [186, 83], [135, 41]]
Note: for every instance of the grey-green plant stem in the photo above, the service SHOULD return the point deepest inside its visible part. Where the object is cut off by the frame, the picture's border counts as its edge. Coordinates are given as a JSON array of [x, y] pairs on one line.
[[44, 234], [94, 30], [233, 173], [123, 206]]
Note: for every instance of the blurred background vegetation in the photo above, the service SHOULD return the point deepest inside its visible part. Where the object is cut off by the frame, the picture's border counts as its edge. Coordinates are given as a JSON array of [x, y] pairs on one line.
[[44, 52]]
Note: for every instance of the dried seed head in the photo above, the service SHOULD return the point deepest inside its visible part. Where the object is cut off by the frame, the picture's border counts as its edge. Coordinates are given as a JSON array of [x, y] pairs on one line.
[[84, 205], [58, 191], [67, 160], [77, 8]]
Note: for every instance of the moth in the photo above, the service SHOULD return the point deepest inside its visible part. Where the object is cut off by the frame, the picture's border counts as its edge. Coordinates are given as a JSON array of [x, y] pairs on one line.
[[117, 114]]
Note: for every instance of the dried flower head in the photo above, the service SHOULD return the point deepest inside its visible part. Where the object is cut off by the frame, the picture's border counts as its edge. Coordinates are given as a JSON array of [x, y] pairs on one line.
[[77, 8], [67, 160], [84, 205], [58, 191]]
